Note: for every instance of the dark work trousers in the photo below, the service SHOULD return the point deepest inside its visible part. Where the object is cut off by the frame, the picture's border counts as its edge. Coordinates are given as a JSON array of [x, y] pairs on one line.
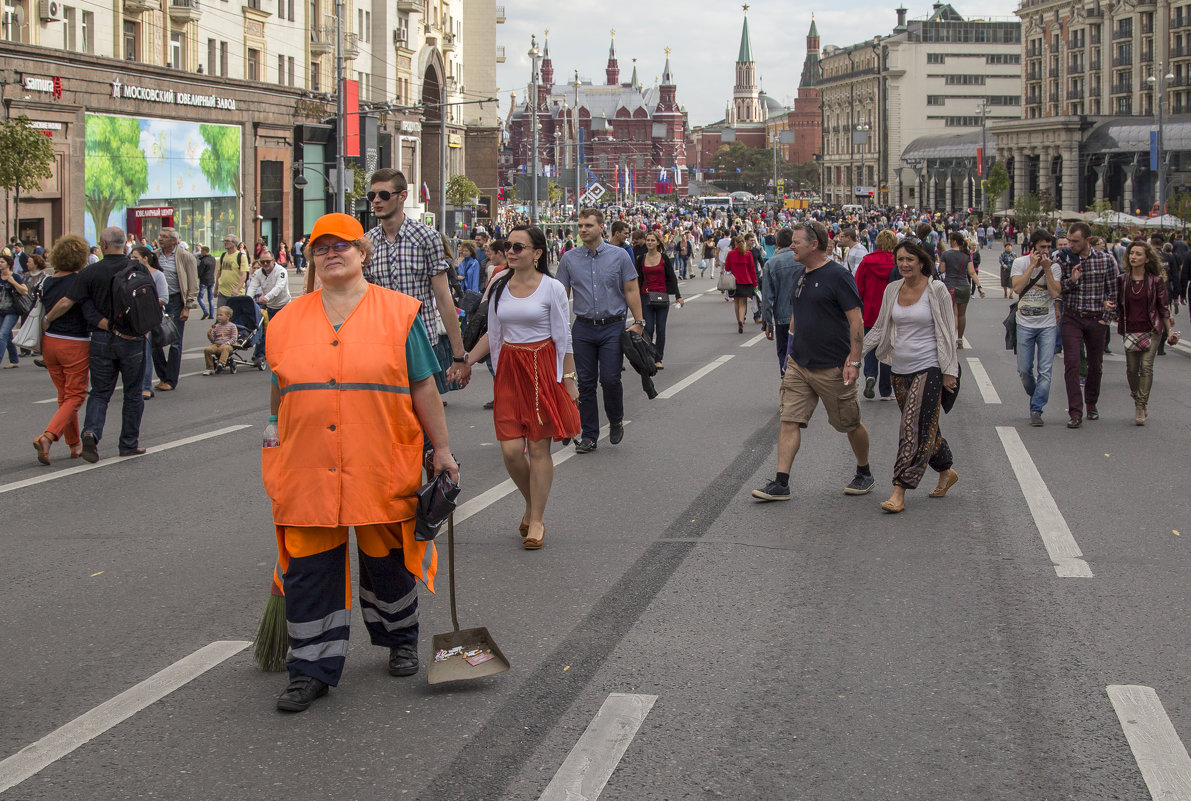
[[168, 361], [259, 351], [113, 357], [781, 338], [598, 357], [877, 370], [1088, 332], [655, 326]]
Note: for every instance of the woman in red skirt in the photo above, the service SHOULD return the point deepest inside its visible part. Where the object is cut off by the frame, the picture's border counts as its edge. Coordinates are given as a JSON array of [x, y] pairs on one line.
[[529, 339]]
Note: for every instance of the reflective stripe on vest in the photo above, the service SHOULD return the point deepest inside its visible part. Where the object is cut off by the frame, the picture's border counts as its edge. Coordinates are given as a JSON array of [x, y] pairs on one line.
[[346, 387]]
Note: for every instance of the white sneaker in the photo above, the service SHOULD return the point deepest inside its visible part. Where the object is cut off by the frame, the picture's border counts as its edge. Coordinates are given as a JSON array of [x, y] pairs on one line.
[[208, 372]]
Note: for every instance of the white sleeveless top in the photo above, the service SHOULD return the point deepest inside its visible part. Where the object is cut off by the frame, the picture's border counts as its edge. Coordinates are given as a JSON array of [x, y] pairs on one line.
[[915, 348]]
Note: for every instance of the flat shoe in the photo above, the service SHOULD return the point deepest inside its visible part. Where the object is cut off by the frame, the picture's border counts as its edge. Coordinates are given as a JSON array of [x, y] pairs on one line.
[[43, 451], [532, 543], [523, 529], [941, 490], [893, 508]]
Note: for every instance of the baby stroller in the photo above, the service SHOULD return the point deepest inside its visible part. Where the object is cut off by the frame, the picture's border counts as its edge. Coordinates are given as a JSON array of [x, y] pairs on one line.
[[247, 317]]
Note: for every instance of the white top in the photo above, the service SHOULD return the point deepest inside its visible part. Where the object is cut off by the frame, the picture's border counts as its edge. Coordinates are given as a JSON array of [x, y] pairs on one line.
[[546, 314], [274, 286], [855, 254], [1036, 308], [915, 348]]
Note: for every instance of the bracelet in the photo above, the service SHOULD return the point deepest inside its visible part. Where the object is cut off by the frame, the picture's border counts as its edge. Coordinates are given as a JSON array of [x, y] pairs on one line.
[[572, 376]]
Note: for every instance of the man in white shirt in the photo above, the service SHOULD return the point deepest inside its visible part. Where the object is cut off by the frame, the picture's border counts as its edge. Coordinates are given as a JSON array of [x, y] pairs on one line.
[[853, 250], [269, 287], [1036, 281]]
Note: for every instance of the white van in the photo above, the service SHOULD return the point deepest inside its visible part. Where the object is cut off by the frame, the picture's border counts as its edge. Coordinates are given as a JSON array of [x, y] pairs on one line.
[[717, 201], [853, 208]]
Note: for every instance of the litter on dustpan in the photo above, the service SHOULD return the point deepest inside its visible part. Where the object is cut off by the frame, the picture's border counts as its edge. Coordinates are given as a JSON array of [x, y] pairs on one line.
[[469, 654]]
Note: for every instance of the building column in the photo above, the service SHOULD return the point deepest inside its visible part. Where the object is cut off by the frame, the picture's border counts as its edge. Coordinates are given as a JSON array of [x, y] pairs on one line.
[[1021, 174], [1130, 168], [1101, 171], [1072, 185], [1046, 181]]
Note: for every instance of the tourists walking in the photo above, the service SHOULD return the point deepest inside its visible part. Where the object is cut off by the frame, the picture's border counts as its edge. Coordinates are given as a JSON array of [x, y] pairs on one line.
[[658, 281], [1089, 302], [1036, 281], [873, 274], [1143, 321]]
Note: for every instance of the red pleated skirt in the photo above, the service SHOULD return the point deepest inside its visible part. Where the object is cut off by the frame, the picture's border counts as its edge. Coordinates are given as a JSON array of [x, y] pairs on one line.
[[530, 403]]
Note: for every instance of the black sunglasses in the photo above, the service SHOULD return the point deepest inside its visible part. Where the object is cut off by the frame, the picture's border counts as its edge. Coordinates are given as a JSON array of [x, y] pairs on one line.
[[383, 194], [517, 247]]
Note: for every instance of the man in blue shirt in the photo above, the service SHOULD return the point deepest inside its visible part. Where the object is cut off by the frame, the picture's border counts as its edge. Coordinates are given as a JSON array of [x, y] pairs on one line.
[[604, 282]]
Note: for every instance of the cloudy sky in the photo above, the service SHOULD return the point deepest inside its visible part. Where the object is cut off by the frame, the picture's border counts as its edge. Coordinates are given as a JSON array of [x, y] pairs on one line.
[[704, 38]]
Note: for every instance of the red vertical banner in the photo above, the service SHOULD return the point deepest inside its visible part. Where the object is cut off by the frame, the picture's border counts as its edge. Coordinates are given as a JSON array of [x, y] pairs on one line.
[[351, 118], [980, 161]]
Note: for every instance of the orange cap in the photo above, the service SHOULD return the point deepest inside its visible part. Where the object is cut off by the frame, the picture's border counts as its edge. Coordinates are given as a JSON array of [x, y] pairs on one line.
[[343, 226]]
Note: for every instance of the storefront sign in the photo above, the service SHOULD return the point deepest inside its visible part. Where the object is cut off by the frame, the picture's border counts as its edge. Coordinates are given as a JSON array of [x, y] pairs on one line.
[[454, 140], [46, 128], [408, 127], [159, 212], [51, 86], [127, 90]]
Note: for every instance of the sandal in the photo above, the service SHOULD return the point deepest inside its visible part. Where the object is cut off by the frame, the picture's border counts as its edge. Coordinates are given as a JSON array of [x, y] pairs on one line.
[[946, 482], [76, 450], [43, 451], [533, 543]]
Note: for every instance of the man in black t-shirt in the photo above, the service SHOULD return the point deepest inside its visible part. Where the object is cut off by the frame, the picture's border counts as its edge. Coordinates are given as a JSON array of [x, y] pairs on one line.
[[113, 353], [826, 344]]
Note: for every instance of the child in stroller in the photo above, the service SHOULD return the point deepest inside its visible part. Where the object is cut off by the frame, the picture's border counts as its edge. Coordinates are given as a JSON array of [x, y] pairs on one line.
[[247, 318]]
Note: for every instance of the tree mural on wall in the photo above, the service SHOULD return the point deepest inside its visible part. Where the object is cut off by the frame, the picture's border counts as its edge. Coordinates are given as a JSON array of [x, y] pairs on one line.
[[117, 173], [220, 162]]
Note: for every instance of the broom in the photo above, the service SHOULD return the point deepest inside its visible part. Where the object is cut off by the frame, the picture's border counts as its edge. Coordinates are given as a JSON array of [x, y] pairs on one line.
[[272, 637]]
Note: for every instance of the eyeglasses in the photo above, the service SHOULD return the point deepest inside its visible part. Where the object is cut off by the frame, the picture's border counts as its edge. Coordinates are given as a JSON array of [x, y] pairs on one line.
[[338, 247], [801, 284], [517, 247], [383, 194]]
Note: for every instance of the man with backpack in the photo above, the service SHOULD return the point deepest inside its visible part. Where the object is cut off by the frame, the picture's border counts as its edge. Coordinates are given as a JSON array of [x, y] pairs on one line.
[[120, 304]]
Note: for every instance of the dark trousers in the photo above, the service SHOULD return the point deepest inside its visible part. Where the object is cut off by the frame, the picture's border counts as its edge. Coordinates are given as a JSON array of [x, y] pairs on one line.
[[655, 326], [781, 338], [168, 361], [259, 351], [598, 357], [877, 370], [113, 357], [1088, 332]]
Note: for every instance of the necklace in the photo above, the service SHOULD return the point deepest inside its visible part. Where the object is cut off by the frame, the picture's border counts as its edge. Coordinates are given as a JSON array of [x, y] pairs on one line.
[[1136, 284]]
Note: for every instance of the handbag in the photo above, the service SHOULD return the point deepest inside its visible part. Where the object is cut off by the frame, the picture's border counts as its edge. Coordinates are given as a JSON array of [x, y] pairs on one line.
[[726, 282], [165, 334], [657, 299], [29, 334], [1137, 342], [948, 399], [22, 304]]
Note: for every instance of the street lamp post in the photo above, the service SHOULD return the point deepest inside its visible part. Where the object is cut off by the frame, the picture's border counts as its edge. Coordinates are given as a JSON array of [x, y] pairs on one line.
[[860, 137], [982, 110], [534, 55], [578, 145], [340, 169], [1159, 89]]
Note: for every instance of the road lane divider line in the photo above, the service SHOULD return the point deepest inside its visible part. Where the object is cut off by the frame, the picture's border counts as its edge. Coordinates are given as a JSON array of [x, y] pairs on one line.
[[983, 382], [590, 764], [1052, 527], [1160, 754], [83, 468], [33, 758], [670, 392], [493, 494], [967, 343], [754, 340]]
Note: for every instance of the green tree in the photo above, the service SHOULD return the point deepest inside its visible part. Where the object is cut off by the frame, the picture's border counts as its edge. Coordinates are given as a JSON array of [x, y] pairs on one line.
[[1101, 208], [26, 158], [461, 190], [510, 194], [1179, 205], [1028, 210], [116, 173], [740, 167], [220, 162], [553, 192], [357, 190], [995, 185]]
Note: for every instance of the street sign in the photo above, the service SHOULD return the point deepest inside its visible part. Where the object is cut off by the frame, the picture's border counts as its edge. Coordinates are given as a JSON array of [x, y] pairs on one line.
[[592, 195]]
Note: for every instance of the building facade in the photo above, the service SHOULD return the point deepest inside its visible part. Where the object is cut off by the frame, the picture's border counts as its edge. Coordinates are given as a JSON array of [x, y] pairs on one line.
[[940, 77], [629, 137], [214, 107]]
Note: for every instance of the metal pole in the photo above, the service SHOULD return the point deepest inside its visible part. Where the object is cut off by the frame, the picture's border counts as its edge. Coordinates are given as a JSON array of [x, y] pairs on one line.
[[983, 155], [533, 57], [340, 178], [578, 148], [442, 159], [1161, 93], [775, 138]]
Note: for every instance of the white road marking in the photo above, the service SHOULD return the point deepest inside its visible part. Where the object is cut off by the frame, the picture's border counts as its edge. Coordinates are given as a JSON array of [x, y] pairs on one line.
[[987, 391], [967, 343], [493, 494], [753, 341], [590, 764], [120, 387], [111, 460], [1056, 536], [1183, 346], [670, 392], [57, 744], [1156, 746]]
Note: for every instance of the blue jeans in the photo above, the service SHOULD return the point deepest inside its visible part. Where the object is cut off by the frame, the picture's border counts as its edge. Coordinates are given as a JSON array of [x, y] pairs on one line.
[[655, 326], [112, 358], [147, 381], [598, 358], [1042, 341], [680, 265], [168, 361], [8, 322], [877, 370], [207, 292]]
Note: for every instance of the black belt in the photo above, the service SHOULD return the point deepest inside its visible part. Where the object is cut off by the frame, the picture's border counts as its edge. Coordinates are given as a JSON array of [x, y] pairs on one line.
[[1086, 314], [616, 318]]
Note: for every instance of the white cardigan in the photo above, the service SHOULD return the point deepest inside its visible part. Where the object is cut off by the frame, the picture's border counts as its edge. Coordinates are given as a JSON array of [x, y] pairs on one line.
[[883, 335]]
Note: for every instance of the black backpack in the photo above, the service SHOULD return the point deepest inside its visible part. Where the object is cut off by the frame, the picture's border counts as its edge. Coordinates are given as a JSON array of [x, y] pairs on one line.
[[135, 309]]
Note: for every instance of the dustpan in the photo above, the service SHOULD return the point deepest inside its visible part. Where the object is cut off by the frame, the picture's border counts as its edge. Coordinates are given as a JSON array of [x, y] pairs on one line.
[[463, 647]]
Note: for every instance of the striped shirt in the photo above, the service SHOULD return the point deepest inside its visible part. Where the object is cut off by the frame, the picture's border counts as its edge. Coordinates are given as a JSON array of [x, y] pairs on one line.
[[407, 264], [223, 333]]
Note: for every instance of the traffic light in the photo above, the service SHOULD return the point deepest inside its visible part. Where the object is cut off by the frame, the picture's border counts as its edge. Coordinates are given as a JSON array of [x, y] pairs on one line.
[[500, 193]]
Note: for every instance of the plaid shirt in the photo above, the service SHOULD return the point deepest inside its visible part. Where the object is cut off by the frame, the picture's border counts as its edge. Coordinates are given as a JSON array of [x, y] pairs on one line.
[[407, 264], [1097, 282]]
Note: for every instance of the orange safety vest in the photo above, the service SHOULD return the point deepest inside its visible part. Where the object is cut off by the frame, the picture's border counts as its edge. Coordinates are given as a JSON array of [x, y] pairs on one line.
[[351, 445]]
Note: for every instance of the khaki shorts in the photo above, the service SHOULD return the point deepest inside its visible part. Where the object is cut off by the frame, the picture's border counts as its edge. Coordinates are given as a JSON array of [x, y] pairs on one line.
[[803, 388]]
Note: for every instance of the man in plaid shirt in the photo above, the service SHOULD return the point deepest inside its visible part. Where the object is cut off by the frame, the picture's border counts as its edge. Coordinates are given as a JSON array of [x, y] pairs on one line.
[[1089, 301], [408, 256]]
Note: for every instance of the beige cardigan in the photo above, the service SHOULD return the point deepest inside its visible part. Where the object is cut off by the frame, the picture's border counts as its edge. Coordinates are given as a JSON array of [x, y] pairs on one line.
[[883, 335]]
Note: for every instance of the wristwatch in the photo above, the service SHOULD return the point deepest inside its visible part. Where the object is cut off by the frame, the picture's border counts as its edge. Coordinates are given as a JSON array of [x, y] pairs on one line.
[[856, 364], [459, 359]]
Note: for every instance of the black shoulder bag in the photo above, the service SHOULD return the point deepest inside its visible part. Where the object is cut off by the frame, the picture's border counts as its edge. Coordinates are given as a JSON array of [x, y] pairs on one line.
[[1011, 319]]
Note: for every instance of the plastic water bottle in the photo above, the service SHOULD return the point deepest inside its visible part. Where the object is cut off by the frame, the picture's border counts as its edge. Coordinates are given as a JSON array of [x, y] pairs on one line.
[[272, 439]]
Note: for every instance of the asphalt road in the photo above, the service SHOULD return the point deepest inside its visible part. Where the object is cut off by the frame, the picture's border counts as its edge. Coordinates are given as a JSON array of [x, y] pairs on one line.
[[817, 649]]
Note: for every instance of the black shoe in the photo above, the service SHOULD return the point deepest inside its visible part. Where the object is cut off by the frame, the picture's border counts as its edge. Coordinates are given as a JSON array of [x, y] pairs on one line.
[[133, 452], [301, 693], [1075, 422], [869, 383], [860, 485], [403, 660], [218, 368], [41, 362], [584, 445], [1092, 413], [90, 448], [1107, 352], [615, 433], [773, 491], [490, 404]]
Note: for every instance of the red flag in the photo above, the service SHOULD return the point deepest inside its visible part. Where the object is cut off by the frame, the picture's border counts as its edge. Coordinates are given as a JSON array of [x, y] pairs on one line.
[[351, 118], [980, 161]]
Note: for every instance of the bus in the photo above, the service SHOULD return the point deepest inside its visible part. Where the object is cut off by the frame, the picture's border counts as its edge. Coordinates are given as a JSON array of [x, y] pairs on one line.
[[716, 201]]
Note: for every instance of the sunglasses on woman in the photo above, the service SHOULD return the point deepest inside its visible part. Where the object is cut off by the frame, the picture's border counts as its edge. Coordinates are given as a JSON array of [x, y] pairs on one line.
[[383, 194], [338, 247], [517, 247]]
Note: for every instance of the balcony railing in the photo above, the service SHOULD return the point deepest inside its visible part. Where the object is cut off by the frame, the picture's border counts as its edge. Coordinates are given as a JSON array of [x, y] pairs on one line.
[[1122, 33], [351, 45], [500, 54], [1122, 88], [1122, 61], [500, 15], [1180, 50], [137, 6], [1053, 72], [322, 41], [183, 11], [1075, 94], [410, 6], [1075, 69], [1094, 65]]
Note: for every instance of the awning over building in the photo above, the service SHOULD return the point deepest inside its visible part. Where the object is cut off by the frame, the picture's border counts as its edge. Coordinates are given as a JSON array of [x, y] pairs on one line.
[[949, 146], [1132, 135]]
